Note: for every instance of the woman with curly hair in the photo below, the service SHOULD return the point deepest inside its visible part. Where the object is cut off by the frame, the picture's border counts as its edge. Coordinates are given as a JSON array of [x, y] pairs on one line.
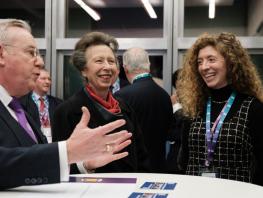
[[221, 92]]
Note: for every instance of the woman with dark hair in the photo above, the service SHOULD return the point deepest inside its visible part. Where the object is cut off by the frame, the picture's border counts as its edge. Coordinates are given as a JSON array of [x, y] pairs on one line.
[[95, 57], [221, 92]]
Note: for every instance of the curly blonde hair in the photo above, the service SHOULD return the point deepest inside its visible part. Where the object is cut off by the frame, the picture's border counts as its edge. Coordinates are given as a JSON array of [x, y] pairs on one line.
[[242, 74]]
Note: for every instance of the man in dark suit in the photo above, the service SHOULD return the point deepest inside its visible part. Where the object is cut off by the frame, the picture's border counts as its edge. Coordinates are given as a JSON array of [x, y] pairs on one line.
[[24, 158], [41, 106], [151, 103]]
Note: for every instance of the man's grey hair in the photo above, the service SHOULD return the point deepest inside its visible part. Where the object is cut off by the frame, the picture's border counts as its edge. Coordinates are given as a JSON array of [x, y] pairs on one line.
[[136, 58], [7, 23]]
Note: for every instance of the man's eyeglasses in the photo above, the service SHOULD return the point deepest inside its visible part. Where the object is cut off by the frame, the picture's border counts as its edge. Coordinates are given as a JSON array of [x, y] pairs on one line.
[[31, 51]]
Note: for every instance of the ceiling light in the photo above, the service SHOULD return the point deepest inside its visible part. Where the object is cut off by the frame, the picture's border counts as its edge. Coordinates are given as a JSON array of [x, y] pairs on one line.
[[149, 8], [212, 8], [88, 9]]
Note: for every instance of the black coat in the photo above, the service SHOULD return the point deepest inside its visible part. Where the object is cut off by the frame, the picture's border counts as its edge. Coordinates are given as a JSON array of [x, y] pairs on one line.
[[174, 139], [231, 137], [68, 114], [153, 108]]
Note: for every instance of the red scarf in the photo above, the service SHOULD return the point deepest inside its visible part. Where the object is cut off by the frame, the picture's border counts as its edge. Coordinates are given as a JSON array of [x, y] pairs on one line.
[[111, 104]]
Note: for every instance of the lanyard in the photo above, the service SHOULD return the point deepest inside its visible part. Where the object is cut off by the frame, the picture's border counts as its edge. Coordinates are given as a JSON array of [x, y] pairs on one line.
[[36, 97], [212, 134], [43, 113], [143, 75]]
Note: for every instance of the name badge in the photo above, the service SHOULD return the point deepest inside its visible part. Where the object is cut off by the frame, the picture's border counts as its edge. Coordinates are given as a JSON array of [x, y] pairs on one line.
[[213, 175], [47, 133], [208, 172]]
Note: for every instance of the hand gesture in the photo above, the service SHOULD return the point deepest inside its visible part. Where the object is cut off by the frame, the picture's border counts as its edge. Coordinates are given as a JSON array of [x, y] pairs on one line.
[[96, 146]]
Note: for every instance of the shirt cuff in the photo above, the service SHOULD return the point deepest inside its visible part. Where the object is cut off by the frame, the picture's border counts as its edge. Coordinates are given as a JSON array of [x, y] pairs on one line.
[[82, 168], [63, 161], [176, 107]]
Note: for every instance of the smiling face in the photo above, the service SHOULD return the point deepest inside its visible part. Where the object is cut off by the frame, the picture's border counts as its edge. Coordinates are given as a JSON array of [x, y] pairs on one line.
[[20, 62], [212, 67], [101, 68], [43, 83]]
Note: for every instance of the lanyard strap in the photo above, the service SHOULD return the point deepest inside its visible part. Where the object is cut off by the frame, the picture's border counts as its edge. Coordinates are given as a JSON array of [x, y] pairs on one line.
[[142, 75], [212, 134]]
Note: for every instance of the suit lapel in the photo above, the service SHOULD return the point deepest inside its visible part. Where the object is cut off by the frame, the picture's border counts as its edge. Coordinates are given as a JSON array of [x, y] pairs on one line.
[[52, 106], [40, 137], [30, 106], [33, 110], [15, 128]]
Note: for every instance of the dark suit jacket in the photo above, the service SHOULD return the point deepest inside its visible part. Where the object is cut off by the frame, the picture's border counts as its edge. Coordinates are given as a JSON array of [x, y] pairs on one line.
[[174, 138], [25, 166], [31, 108], [68, 114], [153, 109]]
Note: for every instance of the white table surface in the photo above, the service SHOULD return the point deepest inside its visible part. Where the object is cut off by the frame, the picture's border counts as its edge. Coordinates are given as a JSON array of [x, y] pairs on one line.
[[187, 187]]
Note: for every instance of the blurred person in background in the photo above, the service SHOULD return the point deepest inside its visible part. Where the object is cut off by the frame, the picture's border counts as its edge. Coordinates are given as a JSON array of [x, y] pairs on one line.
[[40, 105], [151, 103]]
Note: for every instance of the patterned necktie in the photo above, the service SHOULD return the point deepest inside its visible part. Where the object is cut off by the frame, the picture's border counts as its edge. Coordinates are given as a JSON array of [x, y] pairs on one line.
[[42, 104], [43, 113], [20, 114]]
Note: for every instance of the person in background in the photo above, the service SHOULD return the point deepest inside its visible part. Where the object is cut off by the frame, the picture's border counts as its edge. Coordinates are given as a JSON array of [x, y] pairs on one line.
[[120, 81], [25, 159], [118, 84], [151, 103], [41, 106], [176, 105], [174, 135], [220, 90], [95, 57]]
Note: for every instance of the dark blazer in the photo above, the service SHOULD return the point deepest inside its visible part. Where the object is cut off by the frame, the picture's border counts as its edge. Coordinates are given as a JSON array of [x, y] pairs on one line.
[[68, 114], [31, 108], [174, 139], [153, 109], [25, 166]]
